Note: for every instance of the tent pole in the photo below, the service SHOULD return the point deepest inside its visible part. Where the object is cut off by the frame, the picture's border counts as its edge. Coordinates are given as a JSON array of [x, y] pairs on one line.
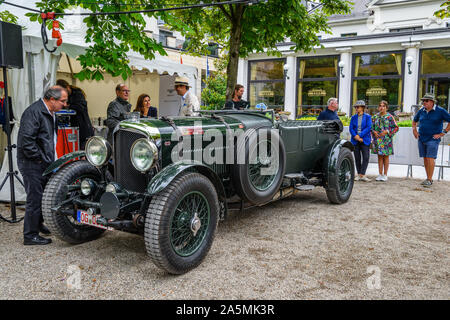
[[30, 77], [11, 173]]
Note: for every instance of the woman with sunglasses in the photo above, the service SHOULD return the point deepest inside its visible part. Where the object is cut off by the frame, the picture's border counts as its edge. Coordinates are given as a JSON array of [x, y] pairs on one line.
[[384, 128]]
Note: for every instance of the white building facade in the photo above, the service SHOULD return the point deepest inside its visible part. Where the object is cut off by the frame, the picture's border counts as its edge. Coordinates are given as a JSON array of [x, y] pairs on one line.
[[384, 50]]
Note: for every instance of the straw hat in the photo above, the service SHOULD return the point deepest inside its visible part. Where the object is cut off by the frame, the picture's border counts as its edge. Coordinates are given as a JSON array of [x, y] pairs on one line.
[[182, 81]]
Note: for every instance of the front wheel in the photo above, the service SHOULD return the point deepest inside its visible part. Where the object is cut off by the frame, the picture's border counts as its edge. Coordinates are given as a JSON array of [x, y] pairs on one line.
[[57, 193], [181, 222], [341, 186]]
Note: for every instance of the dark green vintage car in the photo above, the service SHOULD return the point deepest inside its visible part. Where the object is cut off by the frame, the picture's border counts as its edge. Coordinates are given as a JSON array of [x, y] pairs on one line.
[[173, 179]]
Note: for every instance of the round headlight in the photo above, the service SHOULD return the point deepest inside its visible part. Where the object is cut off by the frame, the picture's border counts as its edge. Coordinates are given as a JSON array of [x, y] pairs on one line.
[[143, 154], [87, 186], [98, 151]]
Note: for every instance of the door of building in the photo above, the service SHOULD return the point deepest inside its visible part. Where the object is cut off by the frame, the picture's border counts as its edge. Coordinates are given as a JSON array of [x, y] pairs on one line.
[[440, 87]]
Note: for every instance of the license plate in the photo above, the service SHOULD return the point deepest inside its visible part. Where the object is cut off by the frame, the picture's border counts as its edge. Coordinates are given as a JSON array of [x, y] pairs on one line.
[[90, 219]]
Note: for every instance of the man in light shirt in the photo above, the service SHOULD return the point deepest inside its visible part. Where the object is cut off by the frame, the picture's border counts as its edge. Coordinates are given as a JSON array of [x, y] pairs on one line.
[[36, 150], [189, 104]]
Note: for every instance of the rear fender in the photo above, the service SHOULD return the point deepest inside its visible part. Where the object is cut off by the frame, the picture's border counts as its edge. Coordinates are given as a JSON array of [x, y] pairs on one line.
[[330, 161], [64, 160]]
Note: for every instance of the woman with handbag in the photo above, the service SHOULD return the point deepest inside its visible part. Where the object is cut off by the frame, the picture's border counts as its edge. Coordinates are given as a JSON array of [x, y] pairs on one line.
[[383, 131], [360, 128]]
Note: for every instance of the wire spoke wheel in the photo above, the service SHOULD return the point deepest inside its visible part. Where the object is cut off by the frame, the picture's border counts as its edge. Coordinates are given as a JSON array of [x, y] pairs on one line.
[[189, 224], [345, 175], [181, 223]]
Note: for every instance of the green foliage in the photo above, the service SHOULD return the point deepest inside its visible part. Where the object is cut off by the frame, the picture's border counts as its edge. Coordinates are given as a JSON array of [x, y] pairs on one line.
[[405, 123], [7, 16], [345, 120], [242, 29], [214, 94], [112, 36], [444, 12], [307, 118]]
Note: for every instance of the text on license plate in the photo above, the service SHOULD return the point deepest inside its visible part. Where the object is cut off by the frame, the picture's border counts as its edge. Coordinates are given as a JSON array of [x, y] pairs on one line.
[[90, 219]]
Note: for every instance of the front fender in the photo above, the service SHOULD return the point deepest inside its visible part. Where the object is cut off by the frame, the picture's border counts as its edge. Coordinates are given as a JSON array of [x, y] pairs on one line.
[[330, 161], [55, 166], [163, 178]]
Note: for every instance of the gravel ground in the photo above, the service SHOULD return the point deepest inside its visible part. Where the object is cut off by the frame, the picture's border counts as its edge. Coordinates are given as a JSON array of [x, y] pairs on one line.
[[301, 247]]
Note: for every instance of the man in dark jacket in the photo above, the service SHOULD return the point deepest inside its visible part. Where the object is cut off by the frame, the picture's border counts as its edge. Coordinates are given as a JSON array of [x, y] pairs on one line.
[[117, 109], [330, 112], [36, 150], [78, 103]]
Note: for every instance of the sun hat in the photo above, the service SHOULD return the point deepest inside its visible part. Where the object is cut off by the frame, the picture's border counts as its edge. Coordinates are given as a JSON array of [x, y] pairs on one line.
[[359, 103], [182, 81], [428, 96]]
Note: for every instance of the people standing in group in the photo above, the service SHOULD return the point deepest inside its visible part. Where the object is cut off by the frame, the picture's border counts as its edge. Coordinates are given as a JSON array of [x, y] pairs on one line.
[[430, 119], [77, 102], [236, 102], [384, 128], [36, 150], [144, 108], [360, 129], [189, 104], [117, 109], [330, 113]]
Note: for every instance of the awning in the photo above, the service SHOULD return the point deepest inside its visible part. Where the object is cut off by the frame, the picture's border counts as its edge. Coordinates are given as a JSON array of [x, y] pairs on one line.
[[160, 64]]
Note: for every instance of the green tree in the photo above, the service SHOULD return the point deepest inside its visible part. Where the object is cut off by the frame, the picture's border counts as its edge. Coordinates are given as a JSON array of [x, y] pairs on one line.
[[112, 36], [243, 29], [444, 12], [214, 94]]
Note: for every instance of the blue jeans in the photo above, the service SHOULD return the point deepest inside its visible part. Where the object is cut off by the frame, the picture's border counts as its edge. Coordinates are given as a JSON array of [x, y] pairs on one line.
[[429, 149]]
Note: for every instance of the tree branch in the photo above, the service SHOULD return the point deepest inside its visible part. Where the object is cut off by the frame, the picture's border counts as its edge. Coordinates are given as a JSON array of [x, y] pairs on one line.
[[225, 12]]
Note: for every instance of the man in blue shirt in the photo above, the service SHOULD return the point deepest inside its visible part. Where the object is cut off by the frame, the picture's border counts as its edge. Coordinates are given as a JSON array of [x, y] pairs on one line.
[[330, 112], [430, 118]]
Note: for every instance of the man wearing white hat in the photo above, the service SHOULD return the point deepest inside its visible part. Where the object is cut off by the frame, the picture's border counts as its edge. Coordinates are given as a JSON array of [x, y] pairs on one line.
[[189, 102]]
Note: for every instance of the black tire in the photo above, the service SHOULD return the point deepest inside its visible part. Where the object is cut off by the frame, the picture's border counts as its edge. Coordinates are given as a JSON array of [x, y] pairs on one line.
[[249, 185], [166, 222], [340, 186], [67, 228]]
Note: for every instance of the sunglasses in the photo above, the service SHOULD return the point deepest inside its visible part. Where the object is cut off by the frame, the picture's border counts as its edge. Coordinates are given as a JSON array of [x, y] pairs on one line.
[[426, 100]]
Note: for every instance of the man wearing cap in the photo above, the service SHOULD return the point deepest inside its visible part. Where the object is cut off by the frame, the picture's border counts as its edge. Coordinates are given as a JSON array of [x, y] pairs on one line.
[[189, 104], [430, 118]]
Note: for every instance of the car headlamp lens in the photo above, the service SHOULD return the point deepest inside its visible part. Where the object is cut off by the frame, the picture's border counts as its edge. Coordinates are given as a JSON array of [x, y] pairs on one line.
[[111, 187], [143, 154], [87, 187], [98, 151]]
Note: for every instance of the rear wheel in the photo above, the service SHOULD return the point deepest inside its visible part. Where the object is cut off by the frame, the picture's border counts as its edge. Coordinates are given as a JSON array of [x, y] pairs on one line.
[[63, 223], [340, 188], [181, 223]]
